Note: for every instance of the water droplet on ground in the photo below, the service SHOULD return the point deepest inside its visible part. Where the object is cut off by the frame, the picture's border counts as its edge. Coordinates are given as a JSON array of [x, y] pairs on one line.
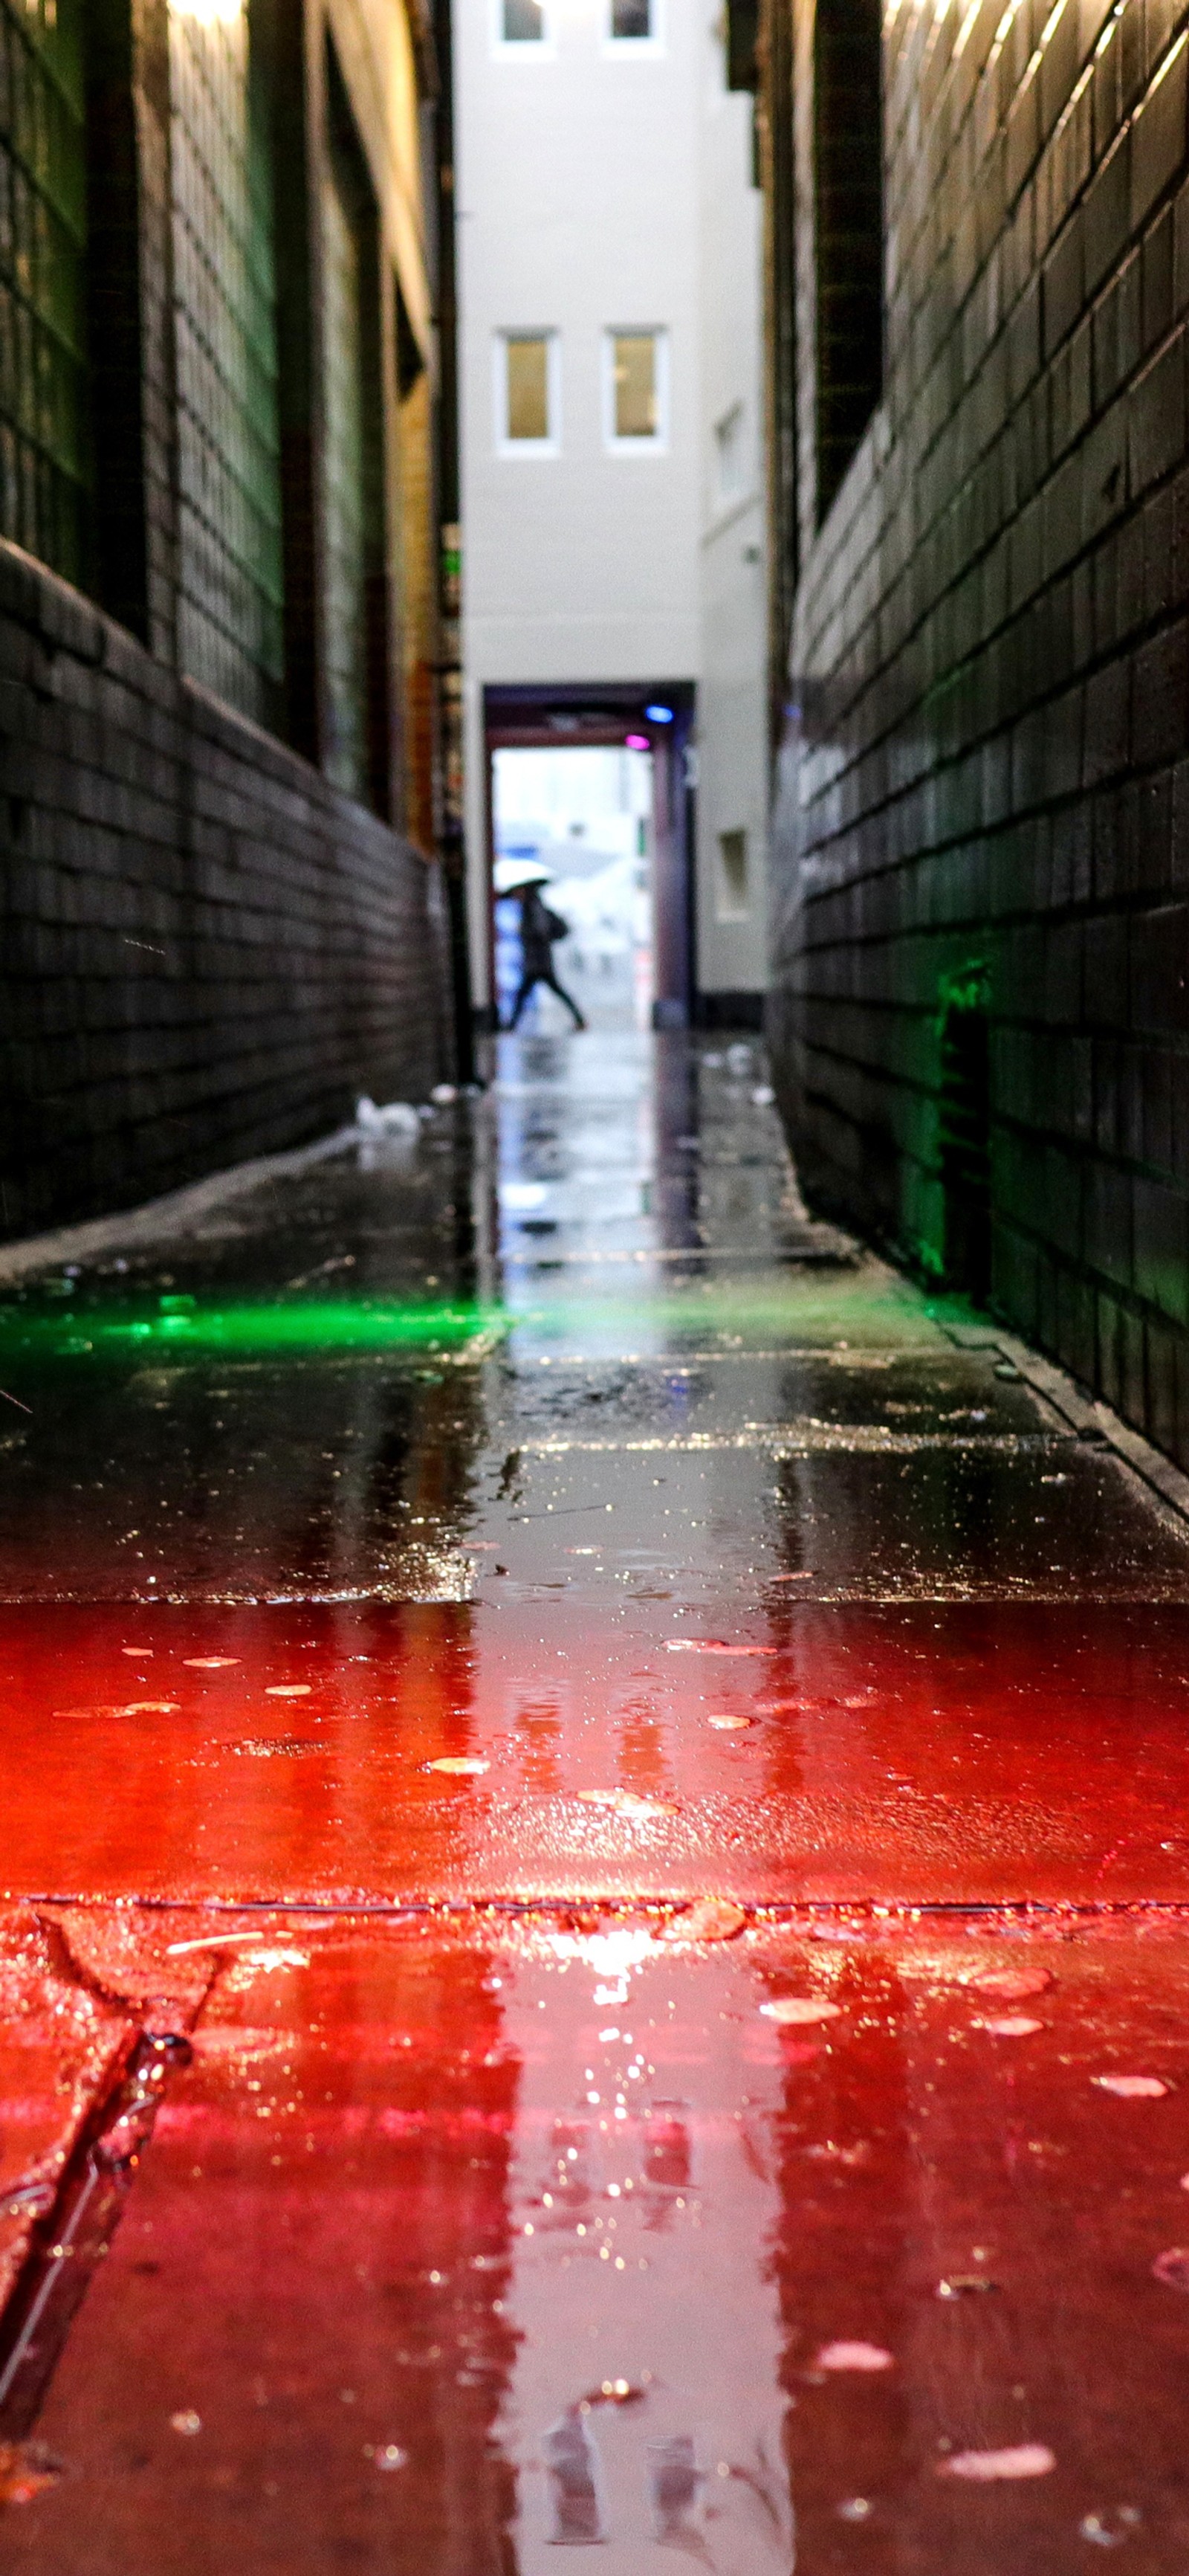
[[1019, 2460], [792, 2010], [853, 2356]]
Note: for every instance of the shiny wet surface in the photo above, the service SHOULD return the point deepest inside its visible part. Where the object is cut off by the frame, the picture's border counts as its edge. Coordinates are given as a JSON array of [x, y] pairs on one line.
[[418, 1583]]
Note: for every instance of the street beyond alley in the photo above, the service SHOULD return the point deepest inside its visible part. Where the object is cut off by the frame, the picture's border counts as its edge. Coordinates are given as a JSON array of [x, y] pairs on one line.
[[595, 1944]]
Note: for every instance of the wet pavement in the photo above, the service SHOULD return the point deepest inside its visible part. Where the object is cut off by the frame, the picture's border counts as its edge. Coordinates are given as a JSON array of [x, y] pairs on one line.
[[594, 1885]]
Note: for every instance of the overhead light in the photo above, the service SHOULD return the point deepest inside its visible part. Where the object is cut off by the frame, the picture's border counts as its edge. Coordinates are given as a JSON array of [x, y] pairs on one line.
[[659, 715]]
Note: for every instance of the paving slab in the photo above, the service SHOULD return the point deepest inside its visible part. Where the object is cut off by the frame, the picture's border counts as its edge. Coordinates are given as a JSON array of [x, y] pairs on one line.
[[922, 1751]]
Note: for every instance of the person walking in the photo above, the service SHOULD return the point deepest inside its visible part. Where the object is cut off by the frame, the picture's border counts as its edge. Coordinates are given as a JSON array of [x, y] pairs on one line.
[[539, 930]]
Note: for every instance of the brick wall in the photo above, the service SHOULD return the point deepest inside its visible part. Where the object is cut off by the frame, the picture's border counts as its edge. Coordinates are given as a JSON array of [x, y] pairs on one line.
[[983, 781], [206, 951]]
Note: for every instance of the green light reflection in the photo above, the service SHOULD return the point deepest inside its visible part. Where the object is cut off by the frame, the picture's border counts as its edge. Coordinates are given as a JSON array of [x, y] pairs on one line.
[[183, 1326]]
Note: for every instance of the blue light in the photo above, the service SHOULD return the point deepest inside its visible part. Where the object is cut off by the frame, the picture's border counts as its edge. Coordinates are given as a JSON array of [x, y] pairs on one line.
[[659, 715]]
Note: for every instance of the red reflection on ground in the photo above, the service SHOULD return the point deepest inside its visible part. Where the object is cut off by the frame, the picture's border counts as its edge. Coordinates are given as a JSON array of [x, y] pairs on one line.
[[910, 1754]]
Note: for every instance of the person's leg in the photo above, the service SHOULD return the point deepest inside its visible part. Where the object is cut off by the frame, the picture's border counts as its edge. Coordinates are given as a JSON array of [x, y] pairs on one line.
[[556, 987], [527, 984]]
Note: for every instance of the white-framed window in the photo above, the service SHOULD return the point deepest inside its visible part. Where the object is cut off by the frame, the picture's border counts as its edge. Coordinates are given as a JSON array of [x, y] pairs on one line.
[[733, 891], [636, 389], [632, 26], [522, 27], [528, 393], [730, 453]]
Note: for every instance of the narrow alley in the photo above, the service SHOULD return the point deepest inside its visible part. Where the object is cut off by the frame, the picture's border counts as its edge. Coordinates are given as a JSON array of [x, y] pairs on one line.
[[594, 1932]]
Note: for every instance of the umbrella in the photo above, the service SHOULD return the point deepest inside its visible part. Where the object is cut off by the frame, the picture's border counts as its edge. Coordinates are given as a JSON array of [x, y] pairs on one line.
[[511, 873]]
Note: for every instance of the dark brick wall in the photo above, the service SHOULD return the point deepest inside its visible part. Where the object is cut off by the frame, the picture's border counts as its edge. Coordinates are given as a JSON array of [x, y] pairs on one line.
[[984, 761], [206, 951]]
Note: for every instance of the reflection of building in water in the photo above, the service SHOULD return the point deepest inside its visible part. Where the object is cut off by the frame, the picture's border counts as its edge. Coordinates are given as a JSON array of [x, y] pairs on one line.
[[539, 1719], [645, 2408], [573, 2462], [665, 2143]]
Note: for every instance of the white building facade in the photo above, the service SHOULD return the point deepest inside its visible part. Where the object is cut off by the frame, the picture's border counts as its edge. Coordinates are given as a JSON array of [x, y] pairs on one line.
[[610, 391], [732, 895]]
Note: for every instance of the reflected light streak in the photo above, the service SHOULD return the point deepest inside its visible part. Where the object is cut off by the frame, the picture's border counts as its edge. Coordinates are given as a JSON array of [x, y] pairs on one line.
[[613, 1955], [317, 1324], [209, 13]]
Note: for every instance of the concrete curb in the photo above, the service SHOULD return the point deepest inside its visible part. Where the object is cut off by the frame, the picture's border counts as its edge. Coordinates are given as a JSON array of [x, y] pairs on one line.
[[1085, 1415], [163, 1216]]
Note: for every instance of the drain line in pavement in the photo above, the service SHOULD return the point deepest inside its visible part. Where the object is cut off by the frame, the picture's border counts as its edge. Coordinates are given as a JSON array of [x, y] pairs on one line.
[[74, 2233], [761, 1912]]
